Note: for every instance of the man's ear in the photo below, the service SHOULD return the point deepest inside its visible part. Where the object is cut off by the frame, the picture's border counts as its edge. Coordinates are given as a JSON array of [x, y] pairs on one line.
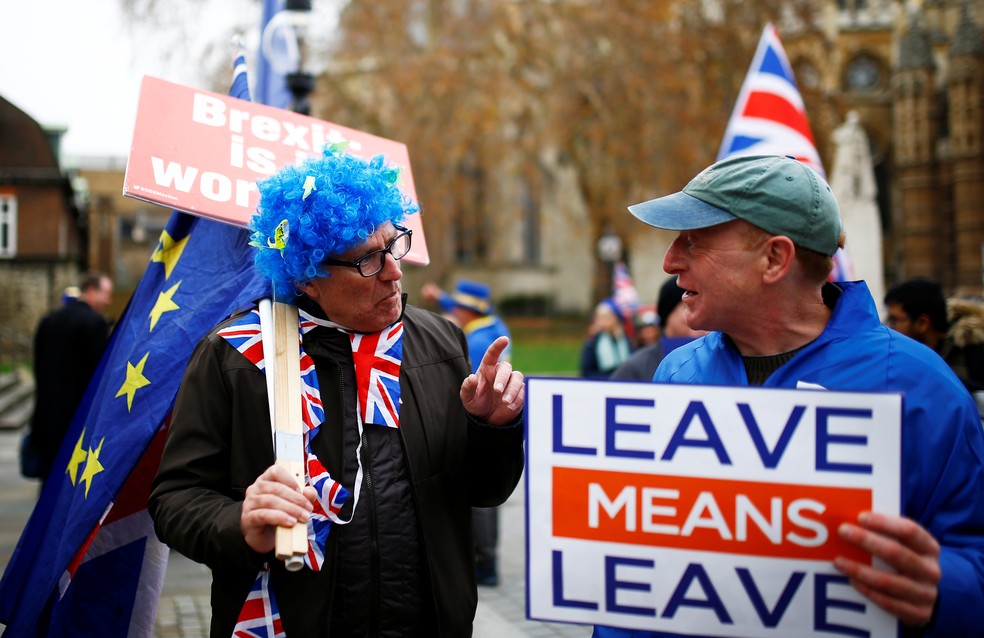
[[778, 253], [308, 289]]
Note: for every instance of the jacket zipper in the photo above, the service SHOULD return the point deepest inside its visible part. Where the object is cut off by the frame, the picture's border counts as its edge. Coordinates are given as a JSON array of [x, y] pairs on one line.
[[334, 570]]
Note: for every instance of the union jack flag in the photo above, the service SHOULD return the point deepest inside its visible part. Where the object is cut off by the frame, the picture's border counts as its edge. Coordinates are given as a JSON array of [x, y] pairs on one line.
[[769, 118], [332, 495], [377, 360], [244, 335], [625, 297], [843, 267], [312, 411], [260, 617]]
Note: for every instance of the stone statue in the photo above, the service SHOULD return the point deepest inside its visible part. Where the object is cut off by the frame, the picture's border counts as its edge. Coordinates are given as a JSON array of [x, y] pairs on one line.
[[853, 184], [853, 177]]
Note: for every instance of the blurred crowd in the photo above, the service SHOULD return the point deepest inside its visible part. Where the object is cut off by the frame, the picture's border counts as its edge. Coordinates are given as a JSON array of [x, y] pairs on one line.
[[629, 345]]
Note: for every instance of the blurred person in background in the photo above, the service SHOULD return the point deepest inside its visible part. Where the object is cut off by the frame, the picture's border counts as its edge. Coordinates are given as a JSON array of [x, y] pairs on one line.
[[674, 332], [470, 307], [954, 330], [606, 347], [646, 327], [68, 344]]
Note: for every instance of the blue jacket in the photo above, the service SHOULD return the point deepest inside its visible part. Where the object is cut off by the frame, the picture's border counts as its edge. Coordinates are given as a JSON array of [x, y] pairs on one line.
[[480, 334], [942, 440]]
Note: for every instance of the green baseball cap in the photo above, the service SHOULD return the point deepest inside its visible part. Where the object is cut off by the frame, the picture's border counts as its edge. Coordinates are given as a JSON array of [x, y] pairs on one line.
[[780, 195]]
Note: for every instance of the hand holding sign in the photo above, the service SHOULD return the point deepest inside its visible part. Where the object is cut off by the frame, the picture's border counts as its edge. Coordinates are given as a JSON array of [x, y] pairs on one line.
[[495, 393], [910, 594], [272, 501]]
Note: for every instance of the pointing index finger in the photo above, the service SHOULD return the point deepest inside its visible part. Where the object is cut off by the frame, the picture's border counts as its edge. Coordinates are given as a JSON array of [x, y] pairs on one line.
[[491, 356]]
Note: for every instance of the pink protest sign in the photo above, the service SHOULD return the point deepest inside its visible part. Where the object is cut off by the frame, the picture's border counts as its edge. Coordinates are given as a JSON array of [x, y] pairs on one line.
[[202, 153]]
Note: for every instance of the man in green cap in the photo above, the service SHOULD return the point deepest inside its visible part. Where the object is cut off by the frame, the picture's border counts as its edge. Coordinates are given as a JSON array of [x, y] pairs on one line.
[[757, 235]]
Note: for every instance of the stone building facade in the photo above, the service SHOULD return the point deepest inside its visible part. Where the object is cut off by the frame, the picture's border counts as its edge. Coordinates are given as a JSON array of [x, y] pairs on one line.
[[939, 148]]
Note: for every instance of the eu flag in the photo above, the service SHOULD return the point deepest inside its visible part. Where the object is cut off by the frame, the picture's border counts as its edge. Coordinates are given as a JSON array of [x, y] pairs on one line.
[[88, 562]]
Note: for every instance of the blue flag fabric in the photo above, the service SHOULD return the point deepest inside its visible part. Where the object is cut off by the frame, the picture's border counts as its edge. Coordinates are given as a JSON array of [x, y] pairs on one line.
[[240, 78], [90, 525], [271, 87]]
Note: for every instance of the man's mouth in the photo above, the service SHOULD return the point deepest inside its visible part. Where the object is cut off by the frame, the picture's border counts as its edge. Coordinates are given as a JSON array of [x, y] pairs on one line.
[[394, 293]]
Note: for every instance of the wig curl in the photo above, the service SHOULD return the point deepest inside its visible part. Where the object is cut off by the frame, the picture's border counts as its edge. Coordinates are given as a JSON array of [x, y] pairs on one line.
[[320, 208]]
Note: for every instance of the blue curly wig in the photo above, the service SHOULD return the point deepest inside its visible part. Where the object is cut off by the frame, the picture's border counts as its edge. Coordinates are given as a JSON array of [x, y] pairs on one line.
[[321, 208]]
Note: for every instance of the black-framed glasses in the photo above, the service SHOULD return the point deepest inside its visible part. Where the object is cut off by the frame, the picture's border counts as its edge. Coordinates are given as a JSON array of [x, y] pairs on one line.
[[372, 263]]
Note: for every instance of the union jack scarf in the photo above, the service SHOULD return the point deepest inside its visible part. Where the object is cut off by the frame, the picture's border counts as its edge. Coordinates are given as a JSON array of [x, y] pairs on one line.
[[377, 359]]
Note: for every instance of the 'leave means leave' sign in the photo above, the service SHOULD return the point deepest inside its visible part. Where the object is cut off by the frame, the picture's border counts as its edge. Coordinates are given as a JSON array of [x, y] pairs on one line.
[[704, 511]]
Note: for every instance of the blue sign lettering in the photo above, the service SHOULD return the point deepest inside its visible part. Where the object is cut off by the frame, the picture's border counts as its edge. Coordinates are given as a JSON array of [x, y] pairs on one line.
[[613, 427], [557, 558], [713, 441], [825, 439], [613, 584], [769, 618], [558, 431], [770, 458], [822, 602], [712, 600]]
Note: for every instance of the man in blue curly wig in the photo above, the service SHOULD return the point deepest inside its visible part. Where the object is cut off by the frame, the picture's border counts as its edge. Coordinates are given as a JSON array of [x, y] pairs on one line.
[[402, 439]]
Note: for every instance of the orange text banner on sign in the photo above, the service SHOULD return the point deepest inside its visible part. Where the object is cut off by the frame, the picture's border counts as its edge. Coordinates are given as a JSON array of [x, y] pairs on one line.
[[712, 515], [202, 153], [704, 510]]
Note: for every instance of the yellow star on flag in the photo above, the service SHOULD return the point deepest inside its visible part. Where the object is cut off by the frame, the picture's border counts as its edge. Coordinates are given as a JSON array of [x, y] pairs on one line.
[[78, 457], [92, 467], [168, 252], [164, 303], [134, 381]]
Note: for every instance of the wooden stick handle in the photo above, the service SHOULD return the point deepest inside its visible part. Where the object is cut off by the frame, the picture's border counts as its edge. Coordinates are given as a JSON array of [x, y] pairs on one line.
[[291, 542]]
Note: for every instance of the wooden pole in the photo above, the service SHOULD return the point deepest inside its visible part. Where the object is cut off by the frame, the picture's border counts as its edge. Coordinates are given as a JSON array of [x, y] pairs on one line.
[[291, 542]]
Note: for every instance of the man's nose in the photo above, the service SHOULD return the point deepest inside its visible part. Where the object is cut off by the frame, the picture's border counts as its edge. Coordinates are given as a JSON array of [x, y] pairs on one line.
[[391, 270], [672, 262]]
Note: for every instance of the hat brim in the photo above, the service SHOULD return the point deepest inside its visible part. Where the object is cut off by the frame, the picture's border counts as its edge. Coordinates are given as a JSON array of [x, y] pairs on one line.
[[680, 211], [469, 302]]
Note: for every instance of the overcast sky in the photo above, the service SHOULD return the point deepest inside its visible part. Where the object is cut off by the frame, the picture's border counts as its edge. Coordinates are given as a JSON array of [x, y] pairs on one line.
[[76, 64]]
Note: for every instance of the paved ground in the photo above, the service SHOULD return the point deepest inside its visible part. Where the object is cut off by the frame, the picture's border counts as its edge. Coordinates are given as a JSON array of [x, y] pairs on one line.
[[184, 611]]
